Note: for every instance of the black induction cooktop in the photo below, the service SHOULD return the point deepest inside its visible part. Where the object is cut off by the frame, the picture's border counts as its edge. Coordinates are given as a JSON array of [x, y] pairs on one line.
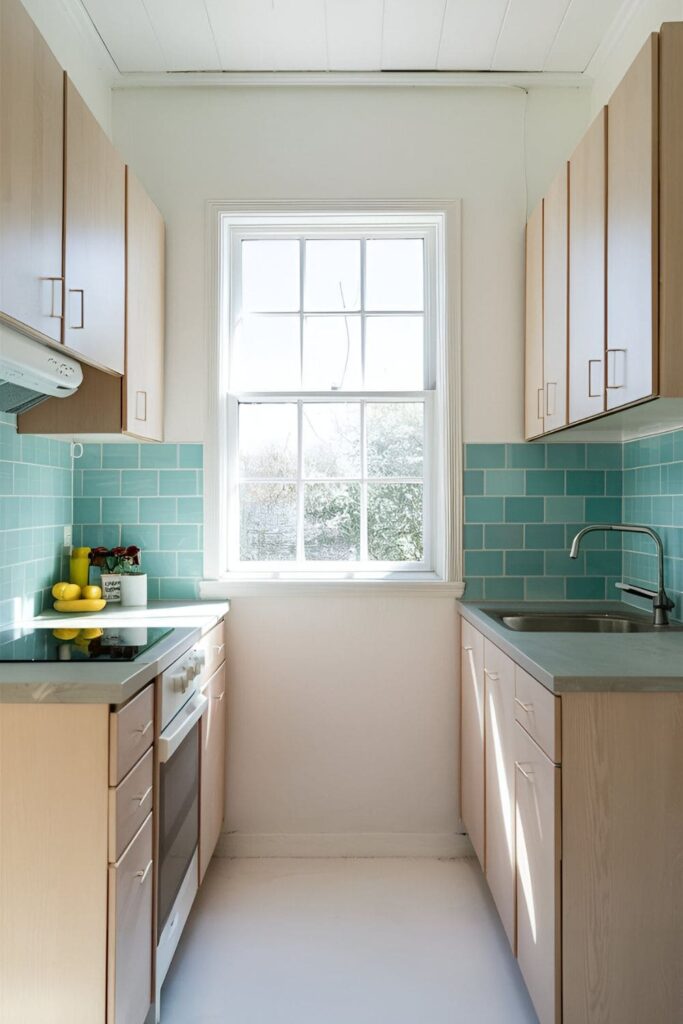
[[58, 643]]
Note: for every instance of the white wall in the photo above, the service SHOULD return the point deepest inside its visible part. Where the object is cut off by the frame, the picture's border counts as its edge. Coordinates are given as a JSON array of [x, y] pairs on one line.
[[343, 712], [71, 39], [190, 145], [647, 17], [343, 717]]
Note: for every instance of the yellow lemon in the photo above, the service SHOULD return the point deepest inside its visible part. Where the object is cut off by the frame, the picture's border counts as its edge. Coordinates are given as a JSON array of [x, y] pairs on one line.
[[91, 634], [65, 634], [91, 593], [66, 591]]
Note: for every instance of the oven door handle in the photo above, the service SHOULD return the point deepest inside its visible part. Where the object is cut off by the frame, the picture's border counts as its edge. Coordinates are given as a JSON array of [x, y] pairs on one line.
[[170, 739]]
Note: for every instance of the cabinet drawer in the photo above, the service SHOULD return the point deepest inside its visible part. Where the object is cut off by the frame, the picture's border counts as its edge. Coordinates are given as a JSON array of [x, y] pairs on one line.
[[131, 732], [213, 645], [538, 711], [538, 855], [129, 987], [129, 805]]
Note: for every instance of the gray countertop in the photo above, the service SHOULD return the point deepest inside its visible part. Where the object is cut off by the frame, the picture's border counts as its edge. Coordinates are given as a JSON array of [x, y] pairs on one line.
[[585, 662], [81, 682]]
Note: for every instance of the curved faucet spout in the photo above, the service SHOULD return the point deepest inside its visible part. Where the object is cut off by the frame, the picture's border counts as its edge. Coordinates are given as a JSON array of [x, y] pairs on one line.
[[661, 602]]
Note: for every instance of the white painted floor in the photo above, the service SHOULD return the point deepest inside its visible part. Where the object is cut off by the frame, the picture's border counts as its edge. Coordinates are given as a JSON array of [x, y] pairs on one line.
[[344, 942]]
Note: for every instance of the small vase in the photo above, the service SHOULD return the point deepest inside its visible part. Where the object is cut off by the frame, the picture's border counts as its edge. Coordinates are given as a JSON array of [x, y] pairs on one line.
[[134, 590], [111, 587]]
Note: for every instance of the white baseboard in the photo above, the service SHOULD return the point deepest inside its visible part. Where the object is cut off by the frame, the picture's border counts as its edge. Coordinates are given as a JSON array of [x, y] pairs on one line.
[[327, 844]]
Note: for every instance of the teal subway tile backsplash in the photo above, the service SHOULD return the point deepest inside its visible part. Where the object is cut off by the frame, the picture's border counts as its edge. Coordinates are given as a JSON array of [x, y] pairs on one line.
[[548, 492], [151, 496], [35, 506]]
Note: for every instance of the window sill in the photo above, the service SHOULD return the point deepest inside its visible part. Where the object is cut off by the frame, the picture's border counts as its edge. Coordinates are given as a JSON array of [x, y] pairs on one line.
[[427, 584]]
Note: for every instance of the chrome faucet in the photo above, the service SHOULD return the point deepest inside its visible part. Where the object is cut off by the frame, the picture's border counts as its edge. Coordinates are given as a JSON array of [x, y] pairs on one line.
[[661, 602]]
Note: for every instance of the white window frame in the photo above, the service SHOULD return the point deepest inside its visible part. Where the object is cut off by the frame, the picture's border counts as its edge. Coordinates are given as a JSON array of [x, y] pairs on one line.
[[439, 223]]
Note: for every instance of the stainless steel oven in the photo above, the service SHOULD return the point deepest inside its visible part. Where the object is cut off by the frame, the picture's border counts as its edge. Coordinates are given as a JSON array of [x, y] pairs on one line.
[[182, 707]]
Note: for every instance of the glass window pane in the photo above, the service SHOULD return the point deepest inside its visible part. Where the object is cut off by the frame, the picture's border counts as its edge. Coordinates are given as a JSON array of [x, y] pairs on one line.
[[395, 522], [268, 522], [332, 522], [270, 276], [332, 353], [267, 354], [394, 274], [267, 440], [331, 439], [332, 278], [394, 353], [395, 433]]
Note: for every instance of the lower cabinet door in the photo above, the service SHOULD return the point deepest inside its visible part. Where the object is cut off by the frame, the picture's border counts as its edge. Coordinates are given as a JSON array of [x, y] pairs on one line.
[[129, 986], [538, 843], [499, 672], [212, 770], [472, 736]]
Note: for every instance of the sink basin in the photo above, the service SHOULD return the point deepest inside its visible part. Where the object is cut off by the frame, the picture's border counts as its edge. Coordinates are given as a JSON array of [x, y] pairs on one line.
[[575, 622]]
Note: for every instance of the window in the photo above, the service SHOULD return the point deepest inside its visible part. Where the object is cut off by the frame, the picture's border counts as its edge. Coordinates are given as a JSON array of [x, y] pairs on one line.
[[331, 343]]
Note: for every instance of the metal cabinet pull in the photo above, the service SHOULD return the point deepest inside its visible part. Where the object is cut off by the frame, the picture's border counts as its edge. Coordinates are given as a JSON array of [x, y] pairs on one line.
[[528, 775], [145, 728], [492, 675], [615, 386], [220, 696], [78, 326], [142, 875], [141, 799], [218, 648], [525, 707], [550, 384], [141, 406], [56, 310], [466, 647], [539, 403], [591, 393]]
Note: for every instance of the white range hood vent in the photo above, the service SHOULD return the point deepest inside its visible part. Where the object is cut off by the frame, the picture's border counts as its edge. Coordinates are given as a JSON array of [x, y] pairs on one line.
[[31, 372]]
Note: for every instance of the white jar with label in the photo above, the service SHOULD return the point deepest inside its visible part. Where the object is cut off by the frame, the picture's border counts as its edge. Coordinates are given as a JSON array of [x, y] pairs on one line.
[[110, 583]]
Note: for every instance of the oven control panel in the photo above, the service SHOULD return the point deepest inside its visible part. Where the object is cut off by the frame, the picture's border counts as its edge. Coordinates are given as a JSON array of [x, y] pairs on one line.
[[179, 682]]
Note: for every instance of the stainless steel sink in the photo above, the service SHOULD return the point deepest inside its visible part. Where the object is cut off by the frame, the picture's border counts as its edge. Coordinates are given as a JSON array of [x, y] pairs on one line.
[[576, 622]]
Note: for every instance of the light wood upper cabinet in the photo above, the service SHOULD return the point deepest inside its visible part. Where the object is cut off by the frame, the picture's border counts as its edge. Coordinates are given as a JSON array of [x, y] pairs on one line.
[[94, 240], [212, 770], [587, 270], [31, 166], [555, 299], [632, 232], [472, 737], [499, 672], [534, 399], [144, 378]]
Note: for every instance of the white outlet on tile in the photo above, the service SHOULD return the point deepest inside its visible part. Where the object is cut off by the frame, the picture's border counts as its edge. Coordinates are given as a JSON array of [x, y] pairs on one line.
[[68, 537]]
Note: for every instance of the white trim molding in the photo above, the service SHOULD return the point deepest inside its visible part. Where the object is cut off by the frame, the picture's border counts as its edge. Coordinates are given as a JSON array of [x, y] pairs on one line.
[[447, 845], [446, 214], [354, 79]]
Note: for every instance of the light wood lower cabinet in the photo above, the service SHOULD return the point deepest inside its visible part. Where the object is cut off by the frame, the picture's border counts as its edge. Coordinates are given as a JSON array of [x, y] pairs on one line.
[[538, 847], [472, 737], [596, 912], [129, 987], [212, 770], [500, 784]]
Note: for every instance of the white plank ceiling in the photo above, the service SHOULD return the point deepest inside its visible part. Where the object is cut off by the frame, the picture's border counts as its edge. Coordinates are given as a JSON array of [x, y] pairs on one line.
[[352, 35]]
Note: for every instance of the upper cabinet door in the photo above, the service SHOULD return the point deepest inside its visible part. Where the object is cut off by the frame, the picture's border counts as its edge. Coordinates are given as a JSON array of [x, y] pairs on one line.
[[94, 240], [555, 299], [632, 235], [587, 272], [144, 383], [31, 167], [533, 385]]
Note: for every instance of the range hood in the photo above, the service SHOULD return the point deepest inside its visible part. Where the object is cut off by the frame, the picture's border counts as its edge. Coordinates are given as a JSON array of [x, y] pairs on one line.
[[31, 372]]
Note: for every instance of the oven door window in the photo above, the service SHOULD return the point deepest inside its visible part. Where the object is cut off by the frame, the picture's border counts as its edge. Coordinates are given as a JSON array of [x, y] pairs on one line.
[[178, 820]]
